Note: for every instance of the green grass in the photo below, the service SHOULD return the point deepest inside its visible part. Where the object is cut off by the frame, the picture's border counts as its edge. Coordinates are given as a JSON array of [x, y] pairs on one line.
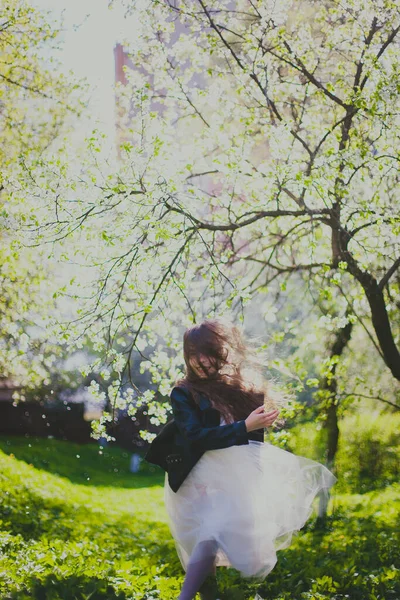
[[76, 525]]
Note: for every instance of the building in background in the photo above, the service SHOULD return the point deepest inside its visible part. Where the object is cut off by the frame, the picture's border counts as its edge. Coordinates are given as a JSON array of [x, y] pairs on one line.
[[7, 389]]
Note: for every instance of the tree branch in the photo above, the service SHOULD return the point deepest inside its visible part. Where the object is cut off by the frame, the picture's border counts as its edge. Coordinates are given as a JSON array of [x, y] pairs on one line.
[[357, 394], [389, 273], [382, 50], [299, 66], [256, 217]]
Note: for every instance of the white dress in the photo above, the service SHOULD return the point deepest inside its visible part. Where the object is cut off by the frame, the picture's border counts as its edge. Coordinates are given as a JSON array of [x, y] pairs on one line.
[[250, 499]]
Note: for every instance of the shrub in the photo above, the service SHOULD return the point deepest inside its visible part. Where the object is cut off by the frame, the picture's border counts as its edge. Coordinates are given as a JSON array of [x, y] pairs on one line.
[[368, 454]]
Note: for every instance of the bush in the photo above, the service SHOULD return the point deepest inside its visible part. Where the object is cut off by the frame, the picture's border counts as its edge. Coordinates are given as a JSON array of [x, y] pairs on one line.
[[368, 456]]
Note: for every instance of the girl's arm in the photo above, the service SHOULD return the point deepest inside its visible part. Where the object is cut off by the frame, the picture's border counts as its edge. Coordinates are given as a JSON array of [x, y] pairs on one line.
[[204, 438]]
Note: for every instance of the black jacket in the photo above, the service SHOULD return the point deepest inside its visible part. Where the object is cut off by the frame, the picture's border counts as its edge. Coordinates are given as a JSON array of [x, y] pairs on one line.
[[195, 430]]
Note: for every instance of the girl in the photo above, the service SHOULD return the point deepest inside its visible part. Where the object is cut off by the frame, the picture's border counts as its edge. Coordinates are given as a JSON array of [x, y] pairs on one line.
[[232, 499]]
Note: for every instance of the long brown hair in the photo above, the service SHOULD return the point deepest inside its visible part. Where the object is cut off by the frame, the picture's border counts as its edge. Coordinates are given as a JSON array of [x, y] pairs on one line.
[[233, 380]]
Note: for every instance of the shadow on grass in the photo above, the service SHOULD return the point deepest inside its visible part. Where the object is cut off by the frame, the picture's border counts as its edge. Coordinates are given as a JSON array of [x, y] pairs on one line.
[[347, 559], [29, 514], [93, 560], [74, 587], [84, 464]]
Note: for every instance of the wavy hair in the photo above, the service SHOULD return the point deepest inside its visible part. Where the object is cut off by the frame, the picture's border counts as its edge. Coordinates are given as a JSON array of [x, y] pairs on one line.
[[232, 379]]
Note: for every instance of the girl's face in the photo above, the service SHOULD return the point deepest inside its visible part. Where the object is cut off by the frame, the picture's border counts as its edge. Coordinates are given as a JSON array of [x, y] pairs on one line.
[[197, 367]]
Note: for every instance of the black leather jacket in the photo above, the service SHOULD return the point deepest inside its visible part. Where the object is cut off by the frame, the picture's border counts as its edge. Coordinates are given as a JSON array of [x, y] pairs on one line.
[[198, 430]]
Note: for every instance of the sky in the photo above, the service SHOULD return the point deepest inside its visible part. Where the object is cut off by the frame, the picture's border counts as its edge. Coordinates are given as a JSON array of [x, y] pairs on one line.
[[90, 33]]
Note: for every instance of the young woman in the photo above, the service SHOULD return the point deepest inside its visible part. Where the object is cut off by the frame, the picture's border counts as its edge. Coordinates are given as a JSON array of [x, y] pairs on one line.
[[232, 499]]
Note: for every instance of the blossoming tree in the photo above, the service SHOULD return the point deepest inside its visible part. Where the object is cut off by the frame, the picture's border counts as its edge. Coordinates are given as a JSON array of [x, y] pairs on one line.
[[260, 143]]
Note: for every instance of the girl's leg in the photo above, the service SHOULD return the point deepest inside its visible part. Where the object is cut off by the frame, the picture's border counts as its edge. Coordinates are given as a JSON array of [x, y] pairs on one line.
[[200, 565]]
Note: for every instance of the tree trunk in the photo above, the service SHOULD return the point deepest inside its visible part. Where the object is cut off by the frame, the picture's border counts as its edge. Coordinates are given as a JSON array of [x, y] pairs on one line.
[[380, 318], [381, 323], [329, 389]]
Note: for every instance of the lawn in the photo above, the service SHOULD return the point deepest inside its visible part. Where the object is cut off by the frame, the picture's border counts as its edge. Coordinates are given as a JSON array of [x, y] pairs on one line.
[[77, 525]]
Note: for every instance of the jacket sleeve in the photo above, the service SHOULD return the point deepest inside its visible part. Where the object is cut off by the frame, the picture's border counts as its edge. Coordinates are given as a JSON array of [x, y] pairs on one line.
[[204, 438]]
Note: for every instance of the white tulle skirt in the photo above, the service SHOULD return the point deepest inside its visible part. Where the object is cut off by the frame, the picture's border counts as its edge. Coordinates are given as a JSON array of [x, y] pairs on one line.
[[250, 499]]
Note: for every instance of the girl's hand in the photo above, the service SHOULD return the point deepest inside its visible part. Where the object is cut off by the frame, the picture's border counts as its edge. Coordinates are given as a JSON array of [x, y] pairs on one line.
[[259, 419]]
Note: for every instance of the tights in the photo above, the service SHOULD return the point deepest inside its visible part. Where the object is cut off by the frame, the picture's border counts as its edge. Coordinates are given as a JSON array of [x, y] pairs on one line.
[[200, 565]]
